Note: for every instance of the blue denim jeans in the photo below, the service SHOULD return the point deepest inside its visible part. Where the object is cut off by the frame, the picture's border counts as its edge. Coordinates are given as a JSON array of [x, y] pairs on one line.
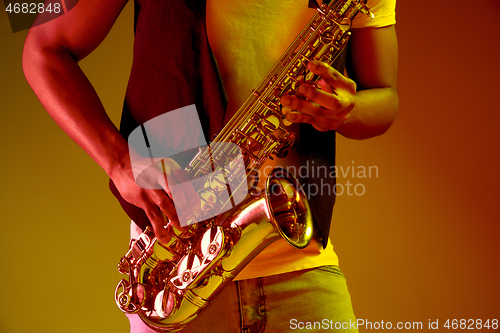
[[313, 300]]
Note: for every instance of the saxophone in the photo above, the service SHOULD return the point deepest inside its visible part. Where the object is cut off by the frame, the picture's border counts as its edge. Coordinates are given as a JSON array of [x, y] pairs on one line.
[[170, 284]]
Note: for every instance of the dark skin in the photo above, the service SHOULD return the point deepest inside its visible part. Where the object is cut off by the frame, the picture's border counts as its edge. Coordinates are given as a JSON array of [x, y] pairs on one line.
[[361, 106]]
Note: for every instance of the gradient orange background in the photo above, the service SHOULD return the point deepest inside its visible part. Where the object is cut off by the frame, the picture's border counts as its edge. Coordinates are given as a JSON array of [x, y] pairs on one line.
[[420, 244]]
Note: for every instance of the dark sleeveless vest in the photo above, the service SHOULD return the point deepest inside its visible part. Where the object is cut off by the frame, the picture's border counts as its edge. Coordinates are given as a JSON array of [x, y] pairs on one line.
[[173, 66]]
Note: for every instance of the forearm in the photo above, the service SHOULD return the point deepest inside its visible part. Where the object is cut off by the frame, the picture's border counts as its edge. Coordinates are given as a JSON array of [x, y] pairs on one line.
[[372, 62], [372, 115], [69, 98]]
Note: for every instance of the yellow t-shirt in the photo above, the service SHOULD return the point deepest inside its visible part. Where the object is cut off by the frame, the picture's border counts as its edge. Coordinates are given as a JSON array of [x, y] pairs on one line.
[[384, 11]]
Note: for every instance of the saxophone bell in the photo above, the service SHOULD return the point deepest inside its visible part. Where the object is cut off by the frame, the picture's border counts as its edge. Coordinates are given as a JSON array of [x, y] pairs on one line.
[[289, 208], [281, 211]]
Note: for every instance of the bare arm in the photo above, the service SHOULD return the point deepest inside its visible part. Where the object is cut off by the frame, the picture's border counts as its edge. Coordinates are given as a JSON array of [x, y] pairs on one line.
[[363, 105], [373, 65], [50, 62]]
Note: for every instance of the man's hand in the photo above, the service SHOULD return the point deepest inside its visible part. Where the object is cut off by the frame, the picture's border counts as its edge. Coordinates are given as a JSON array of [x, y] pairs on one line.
[[326, 107], [358, 110], [151, 192]]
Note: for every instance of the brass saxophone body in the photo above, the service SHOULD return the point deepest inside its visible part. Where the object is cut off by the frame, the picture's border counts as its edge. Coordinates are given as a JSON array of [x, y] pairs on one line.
[[170, 284]]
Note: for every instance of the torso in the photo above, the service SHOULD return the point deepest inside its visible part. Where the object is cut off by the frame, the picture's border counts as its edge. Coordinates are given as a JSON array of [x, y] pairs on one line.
[[247, 38]]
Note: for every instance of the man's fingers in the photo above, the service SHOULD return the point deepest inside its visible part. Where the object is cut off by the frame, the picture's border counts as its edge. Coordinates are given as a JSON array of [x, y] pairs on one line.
[[323, 98], [331, 76], [179, 188], [184, 209], [175, 205], [192, 196], [312, 107], [164, 203], [328, 125], [320, 123], [325, 86], [158, 222], [295, 103]]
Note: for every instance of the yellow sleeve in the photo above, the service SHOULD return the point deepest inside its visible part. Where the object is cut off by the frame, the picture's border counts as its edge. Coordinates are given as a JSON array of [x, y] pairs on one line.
[[384, 11]]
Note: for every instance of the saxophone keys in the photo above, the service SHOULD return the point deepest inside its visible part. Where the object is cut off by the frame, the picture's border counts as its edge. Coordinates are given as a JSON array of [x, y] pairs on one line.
[[212, 243], [285, 111], [345, 24], [255, 140], [122, 298], [208, 199], [187, 271], [270, 123], [127, 297], [217, 181], [165, 303]]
